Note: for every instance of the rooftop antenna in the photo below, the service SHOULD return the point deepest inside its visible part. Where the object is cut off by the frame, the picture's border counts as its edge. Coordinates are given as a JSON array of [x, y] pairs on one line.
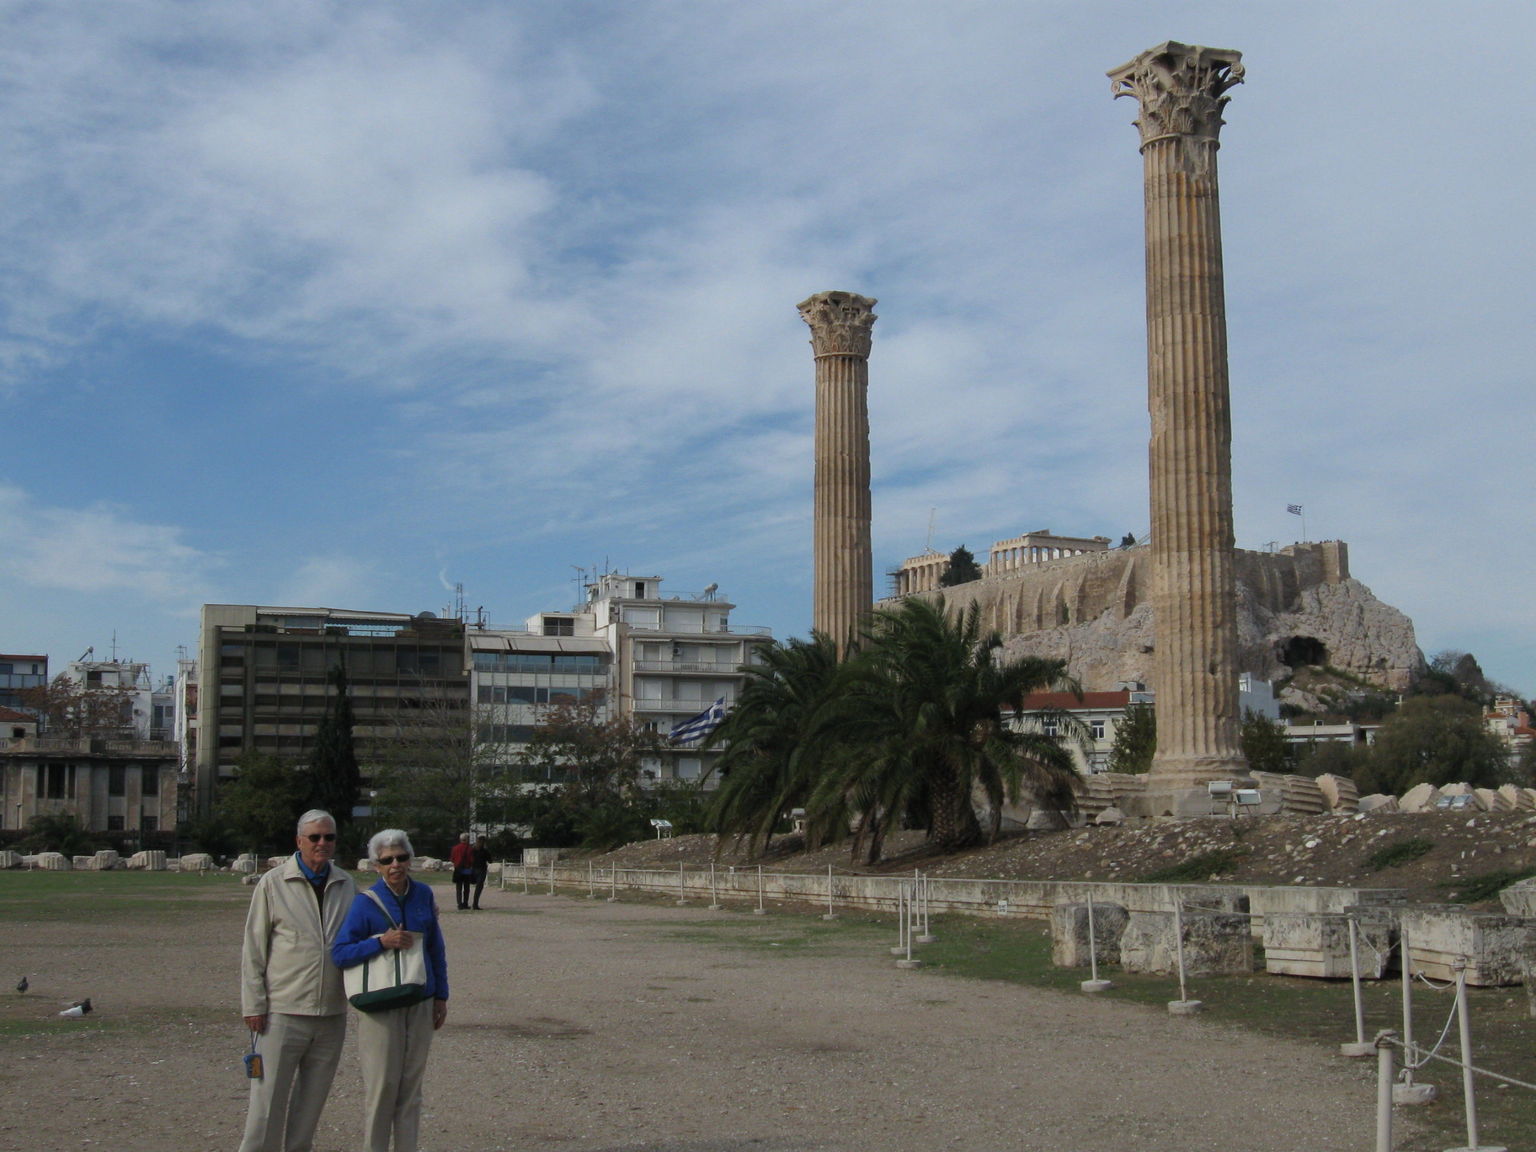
[[580, 580], [114, 645], [459, 608]]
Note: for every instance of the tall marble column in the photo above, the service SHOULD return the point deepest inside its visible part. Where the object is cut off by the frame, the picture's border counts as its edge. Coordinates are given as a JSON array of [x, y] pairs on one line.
[[844, 589], [1180, 91]]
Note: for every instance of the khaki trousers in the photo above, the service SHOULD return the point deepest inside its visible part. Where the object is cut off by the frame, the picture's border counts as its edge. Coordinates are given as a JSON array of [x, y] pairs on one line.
[[392, 1047], [299, 1055]]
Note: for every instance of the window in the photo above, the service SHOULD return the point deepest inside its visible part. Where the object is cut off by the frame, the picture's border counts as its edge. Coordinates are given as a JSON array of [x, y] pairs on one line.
[[559, 626], [1049, 727], [149, 823], [1096, 729], [149, 782], [114, 823], [55, 781], [117, 777]]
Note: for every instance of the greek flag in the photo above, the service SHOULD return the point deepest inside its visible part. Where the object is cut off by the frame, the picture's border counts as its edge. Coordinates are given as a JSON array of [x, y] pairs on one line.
[[700, 726], [1293, 509]]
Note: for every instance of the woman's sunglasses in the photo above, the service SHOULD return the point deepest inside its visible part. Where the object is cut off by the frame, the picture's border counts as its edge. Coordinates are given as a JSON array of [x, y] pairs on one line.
[[403, 858]]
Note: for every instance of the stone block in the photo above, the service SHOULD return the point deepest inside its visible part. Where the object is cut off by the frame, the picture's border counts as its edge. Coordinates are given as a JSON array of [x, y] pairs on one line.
[[1518, 797], [1215, 944], [540, 857], [1317, 944], [1493, 945], [9, 859], [150, 860], [105, 860], [1491, 800], [244, 863], [1379, 802], [196, 862], [1339, 792], [1109, 817], [1069, 934], [1419, 798], [83, 863], [53, 862], [1519, 899], [429, 864]]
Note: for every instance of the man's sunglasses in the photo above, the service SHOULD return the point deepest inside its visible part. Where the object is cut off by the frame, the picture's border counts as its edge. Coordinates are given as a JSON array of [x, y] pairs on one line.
[[403, 858], [316, 837]]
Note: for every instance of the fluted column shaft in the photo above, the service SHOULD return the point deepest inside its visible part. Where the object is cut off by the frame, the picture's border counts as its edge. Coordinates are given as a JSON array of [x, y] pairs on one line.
[[843, 569], [1194, 593]]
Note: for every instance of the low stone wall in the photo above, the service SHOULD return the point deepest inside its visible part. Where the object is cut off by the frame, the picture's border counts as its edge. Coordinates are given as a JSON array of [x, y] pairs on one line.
[[1317, 944]]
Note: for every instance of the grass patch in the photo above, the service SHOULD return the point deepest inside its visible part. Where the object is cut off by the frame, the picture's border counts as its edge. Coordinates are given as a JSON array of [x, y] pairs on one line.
[[1404, 851], [1485, 885], [1197, 869]]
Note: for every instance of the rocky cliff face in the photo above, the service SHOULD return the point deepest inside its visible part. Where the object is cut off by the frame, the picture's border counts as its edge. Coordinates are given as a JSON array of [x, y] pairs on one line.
[[1295, 607]]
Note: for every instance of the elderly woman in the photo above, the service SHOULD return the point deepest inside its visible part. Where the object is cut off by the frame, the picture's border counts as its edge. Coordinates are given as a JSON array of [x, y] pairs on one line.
[[393, 1043]]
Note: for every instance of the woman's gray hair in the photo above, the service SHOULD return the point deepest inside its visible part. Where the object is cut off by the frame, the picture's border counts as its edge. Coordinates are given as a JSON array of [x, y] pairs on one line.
[[314, 816], [388, 838]]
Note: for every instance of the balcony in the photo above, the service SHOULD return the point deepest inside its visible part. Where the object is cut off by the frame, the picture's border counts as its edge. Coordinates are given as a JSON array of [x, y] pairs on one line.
[[90, 746]]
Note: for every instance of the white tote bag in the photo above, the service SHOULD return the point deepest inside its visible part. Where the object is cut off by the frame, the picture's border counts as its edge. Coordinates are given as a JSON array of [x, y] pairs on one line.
[[394, 978]]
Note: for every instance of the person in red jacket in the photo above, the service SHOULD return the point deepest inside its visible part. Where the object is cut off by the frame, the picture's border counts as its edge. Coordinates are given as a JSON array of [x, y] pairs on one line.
[[463, 860]]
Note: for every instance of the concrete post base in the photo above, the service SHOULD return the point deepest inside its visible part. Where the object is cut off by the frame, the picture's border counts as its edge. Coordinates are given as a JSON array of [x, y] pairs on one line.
[[909, 963], [715, 907], [613, 900], [898, 950], [1357, 1049], [1185, 1007], [925, 938], [829, 915], [1480, 1148], [1096, 985], [1414, 1093], [759, 911]]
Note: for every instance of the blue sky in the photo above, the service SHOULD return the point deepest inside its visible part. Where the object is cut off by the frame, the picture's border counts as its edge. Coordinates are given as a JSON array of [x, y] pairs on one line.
[[341, 304]]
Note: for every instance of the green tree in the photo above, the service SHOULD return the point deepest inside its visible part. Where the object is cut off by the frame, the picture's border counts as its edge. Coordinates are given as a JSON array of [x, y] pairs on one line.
[[1330, 757], [583, 778], [926, 711], [335, 779], [771, 758], [1264, 743], [429, 775], [961, 569], [256, 810], [1135, 740], [57, 832], [1434, 740]]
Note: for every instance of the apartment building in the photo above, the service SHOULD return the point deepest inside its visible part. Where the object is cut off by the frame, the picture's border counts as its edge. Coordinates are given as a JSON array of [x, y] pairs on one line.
[[263, 679]]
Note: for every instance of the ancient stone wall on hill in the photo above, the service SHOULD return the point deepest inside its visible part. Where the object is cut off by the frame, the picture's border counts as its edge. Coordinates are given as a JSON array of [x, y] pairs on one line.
[[1296, 606]]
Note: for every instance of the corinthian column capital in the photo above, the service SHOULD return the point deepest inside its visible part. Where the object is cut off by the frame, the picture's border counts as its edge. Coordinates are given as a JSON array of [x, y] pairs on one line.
[[840, 323], [1179, 88]]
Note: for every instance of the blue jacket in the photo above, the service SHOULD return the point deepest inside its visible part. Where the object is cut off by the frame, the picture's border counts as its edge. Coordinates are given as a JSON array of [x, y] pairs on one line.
[[358, 939]]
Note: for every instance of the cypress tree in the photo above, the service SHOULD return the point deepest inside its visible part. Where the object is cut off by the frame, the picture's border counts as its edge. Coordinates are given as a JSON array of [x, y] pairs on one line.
[[335, 779]]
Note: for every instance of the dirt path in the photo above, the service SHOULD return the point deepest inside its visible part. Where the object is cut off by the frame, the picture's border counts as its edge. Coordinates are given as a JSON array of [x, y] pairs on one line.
[[585, 1026]]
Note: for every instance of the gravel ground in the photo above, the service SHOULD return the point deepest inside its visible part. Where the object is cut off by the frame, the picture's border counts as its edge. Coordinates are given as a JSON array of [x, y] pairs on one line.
[[593, 1027]]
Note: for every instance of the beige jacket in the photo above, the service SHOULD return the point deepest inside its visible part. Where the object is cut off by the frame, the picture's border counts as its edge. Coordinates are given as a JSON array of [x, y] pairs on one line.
[[285, 964]]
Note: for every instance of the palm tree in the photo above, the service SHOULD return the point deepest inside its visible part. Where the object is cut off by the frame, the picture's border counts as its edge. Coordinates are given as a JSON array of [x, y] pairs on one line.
[[770, 761], [925, 710]]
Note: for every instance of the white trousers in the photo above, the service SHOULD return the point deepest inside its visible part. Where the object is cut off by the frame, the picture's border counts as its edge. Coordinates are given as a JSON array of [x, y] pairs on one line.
[[299, 1055], [392, 1047]]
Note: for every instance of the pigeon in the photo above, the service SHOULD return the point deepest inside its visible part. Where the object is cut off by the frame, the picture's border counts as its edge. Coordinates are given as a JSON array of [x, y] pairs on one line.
[[22, 985], [78, 1009]]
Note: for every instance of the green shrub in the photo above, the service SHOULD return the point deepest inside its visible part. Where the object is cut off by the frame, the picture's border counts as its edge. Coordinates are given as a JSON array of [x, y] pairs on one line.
[[1197, 869], [1485, 885], [1398, 852]]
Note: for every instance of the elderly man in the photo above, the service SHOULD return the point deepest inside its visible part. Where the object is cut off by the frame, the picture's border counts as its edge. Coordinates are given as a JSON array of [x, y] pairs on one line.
[[291, 993]]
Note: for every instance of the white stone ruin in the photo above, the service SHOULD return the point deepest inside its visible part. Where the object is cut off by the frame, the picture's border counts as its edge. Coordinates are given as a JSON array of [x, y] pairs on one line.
[[1214, 943]]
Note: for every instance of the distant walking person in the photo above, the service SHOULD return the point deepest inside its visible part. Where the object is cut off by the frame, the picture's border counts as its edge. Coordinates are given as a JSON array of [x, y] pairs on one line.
[[480, 868], [392, 1044], [463, 860], [290, 991]]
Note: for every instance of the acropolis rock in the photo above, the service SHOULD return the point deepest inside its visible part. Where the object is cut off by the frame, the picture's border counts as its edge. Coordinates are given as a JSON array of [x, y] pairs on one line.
[[1298, 605]]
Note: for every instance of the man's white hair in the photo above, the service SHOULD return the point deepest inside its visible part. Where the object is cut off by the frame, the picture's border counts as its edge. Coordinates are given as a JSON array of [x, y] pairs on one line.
[[314, 816], [389, 838]]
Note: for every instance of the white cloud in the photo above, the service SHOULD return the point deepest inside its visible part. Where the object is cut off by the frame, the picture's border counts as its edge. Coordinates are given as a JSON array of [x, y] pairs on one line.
[[97, 550]]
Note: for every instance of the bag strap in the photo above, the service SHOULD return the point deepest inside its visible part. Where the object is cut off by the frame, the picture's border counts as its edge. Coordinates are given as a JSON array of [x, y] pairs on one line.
[[388, 915]]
